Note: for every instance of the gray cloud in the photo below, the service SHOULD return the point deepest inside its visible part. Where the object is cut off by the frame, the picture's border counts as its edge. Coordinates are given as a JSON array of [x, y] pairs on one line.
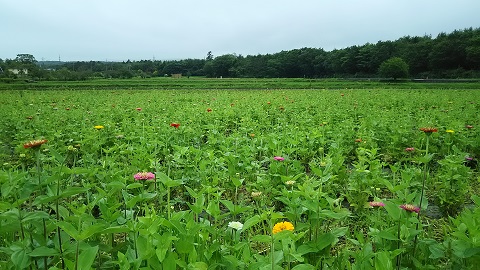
[[122, 29]]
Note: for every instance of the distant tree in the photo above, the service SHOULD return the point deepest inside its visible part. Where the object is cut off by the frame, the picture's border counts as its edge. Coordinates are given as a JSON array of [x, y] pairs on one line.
[[209, 56], [394, 67], [25, 58]]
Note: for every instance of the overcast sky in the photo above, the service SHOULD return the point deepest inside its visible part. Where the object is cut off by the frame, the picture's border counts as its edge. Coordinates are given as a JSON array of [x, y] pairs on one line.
[[117, 30]]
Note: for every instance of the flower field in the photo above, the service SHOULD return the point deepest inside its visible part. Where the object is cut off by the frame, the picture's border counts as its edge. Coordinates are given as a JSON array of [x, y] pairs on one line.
[[344, 178]]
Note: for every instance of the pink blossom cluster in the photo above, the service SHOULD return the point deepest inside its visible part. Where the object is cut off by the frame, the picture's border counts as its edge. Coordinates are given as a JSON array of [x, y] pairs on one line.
[[144, 176]]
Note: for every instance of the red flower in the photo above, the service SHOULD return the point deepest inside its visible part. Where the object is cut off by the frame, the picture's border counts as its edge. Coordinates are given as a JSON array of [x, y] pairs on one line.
[[138, 109], [209, 110], [34, 143], [175, 125], [428, 130], [409, 149]]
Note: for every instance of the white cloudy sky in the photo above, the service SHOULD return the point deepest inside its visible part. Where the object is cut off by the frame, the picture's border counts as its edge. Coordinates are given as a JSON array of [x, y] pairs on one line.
[[117, 30]]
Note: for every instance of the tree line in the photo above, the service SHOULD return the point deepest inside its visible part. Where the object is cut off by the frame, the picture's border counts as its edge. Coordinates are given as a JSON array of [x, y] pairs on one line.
[[449, 55]]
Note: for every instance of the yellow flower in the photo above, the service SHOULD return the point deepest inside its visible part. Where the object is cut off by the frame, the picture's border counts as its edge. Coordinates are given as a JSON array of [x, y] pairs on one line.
[[450, 131], [98, 127], [282, 226]]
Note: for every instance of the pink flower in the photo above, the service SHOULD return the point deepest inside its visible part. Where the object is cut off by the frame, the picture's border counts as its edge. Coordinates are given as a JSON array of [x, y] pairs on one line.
[[376, 204], [410, 208], [277, 158], [409, 149], [138, 109], [144, 176]]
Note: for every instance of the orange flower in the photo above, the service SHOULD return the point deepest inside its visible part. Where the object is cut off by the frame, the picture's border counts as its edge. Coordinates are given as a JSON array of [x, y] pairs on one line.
[[282, 226], [175, 125], [34, 143], [428, 130]]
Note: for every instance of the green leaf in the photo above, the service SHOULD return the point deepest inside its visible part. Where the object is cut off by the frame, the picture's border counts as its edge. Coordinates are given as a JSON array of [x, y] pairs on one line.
[[383, 261], [304, 267], [198, 266], [387, 235], [87, 257], [91, 230], [436, 251], [20, 259], [251, 222], [167, 181], [69, 229], [35, 215], [135, 185], [325, 240], [261, 238], [393, 210], [43, 251], [116, 229]]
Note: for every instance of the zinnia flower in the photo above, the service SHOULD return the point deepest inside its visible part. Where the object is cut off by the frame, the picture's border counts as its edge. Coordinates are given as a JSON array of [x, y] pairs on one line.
[[144, 176], [290, 182], [175, 125], [409, 149], [138, 109], [277, 158], [468, 158], [358, 140], [469, 126], [428, 130], [209, 110], [282, 226], [410, 208], [98, 127], [256, 194], [235, 225], [376, 204], [34, 143]]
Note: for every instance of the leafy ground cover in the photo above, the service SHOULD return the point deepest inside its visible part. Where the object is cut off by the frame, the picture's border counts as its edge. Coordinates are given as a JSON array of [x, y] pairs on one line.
[[377, 176]]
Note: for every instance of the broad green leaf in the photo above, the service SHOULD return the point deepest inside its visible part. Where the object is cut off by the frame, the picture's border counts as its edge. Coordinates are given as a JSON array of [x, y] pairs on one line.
[[43, 251], [69, 229], [87, 257], [324, 241], [261, 238], [304, 267], [393, 210], [251, 222], [387, 235]]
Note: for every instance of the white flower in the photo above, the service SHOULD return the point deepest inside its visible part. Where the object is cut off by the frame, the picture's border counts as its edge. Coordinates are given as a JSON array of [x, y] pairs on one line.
[[235, 225]]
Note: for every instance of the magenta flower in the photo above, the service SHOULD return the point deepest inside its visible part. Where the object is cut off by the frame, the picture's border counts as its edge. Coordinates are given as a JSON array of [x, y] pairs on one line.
[[277, 158], [468, 158], [409, 149], [376, 204], [410, 208], [144, 176]]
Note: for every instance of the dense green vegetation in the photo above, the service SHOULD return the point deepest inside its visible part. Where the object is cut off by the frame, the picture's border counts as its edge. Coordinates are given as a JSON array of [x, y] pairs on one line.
[[229, 165], [452, 55]]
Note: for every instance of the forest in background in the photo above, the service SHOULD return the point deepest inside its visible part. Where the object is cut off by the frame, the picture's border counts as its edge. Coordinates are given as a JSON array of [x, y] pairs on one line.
[[447, 56]]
